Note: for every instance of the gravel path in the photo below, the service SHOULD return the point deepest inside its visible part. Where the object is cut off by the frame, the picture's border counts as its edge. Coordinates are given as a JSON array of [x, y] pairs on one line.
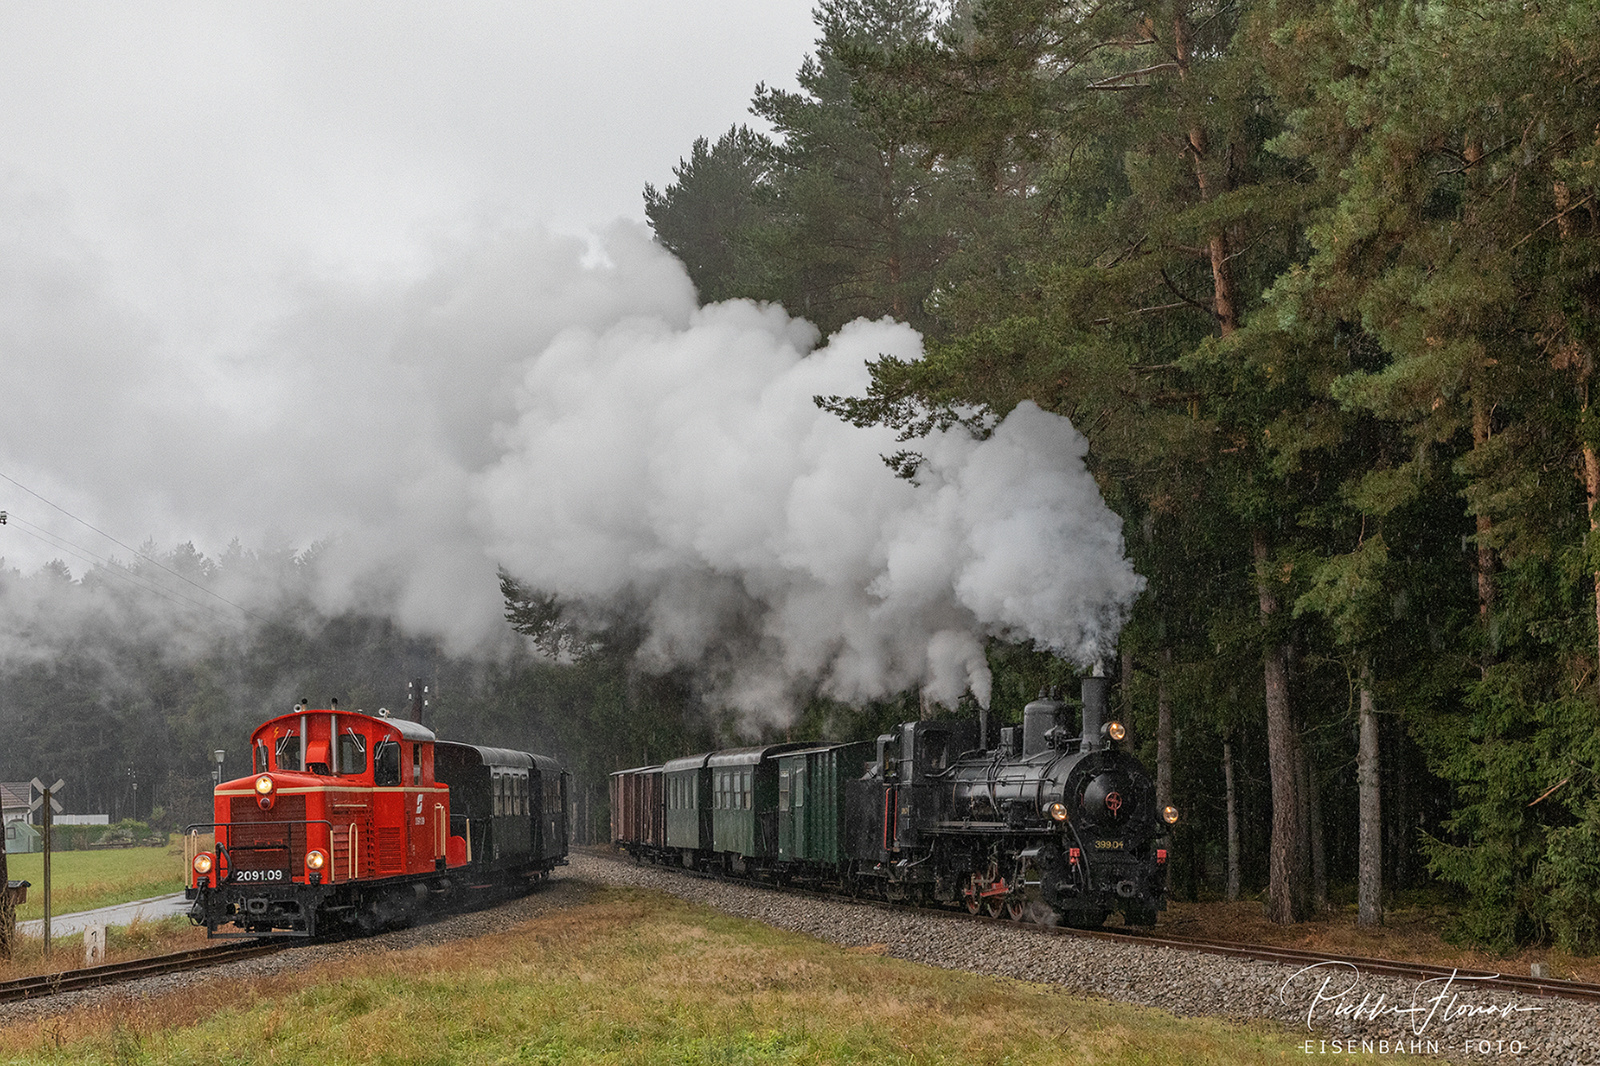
[[1463, 1026]]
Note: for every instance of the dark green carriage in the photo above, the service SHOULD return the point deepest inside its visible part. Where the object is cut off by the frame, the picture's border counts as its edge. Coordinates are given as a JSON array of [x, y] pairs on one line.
[[687, 783], [744, 801], [811, 801]]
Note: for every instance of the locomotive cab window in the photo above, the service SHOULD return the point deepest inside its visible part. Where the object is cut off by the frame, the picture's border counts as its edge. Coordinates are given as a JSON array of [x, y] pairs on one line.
[[352, 753], [386, 763], [287, 754], [259, 765], [416, 764]]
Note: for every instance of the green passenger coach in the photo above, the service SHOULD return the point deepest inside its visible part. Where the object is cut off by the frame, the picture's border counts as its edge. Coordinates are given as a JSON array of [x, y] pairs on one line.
[[744, 804], [687, 782], [811, 801]]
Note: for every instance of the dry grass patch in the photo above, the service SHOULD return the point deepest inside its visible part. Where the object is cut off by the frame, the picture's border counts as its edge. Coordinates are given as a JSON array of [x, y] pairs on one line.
[[137, 940], [637, 978]]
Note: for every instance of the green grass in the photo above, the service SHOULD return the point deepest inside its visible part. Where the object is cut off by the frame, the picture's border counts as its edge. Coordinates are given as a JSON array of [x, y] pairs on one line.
[[633, 978], [84, 880]]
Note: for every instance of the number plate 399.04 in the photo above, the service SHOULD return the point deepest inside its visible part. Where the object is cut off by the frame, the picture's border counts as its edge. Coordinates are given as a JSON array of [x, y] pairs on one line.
[[261, 876], [1108, 845]]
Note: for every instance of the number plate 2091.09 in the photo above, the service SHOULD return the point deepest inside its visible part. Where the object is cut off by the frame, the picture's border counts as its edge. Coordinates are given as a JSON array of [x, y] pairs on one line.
[[261, 876]]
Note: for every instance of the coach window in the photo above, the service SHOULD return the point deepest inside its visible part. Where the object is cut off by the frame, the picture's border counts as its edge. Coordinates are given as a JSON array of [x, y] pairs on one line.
[[800, 787], [352, 753], [386, 763], [287, 754]]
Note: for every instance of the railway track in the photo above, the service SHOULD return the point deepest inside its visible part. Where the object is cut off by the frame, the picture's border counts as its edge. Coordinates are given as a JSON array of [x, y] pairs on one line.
[[1420, 971], [119, 972]]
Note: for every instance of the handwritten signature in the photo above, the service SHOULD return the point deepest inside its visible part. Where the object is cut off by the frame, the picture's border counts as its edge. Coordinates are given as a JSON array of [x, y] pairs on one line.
[[1335, 989]]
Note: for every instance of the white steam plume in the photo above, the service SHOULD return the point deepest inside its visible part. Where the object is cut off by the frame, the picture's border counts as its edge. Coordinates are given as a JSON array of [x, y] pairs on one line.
[[572, 416], [687, 470]]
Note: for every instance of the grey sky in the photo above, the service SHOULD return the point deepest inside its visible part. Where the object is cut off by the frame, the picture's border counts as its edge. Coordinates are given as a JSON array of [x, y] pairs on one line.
[[183, 183], [210, 146]]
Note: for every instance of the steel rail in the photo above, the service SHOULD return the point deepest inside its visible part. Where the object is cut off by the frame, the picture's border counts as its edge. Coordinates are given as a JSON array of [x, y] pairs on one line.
[[1537, 986], [41, 985]]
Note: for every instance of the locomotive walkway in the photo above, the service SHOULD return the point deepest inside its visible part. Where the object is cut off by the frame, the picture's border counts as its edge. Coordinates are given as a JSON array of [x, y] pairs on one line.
[[145, 910]]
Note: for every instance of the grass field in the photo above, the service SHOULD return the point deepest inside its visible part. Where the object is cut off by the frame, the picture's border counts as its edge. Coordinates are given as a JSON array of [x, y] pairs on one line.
[[629, 977], [84, 880]]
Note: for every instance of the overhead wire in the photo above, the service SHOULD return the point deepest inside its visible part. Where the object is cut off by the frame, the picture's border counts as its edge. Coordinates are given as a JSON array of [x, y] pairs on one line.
[[115, 569], [113, 566]]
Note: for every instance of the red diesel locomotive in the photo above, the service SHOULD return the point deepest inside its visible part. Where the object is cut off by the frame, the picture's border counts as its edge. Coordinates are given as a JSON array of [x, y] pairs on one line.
[[357, 820]]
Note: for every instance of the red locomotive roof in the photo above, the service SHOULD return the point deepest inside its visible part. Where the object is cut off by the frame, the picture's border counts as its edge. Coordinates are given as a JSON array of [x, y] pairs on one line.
[[404, 728]]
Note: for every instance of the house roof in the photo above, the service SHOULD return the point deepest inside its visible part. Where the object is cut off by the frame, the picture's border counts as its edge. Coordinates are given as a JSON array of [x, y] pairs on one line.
[[15, 793]]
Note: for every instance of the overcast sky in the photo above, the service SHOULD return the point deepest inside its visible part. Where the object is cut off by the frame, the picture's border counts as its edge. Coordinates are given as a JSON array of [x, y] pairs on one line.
[[184, 175], [203, 149]]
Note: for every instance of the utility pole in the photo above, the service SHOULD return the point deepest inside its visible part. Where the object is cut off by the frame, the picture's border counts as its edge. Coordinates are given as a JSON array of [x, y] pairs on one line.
[[47, 805], [419, 701], [47, 873]]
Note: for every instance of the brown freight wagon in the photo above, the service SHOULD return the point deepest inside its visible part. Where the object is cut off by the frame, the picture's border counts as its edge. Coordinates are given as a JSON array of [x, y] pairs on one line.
[[638, 810]]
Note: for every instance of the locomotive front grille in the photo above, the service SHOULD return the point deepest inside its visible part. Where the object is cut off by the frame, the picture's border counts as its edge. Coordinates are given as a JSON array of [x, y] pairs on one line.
[[266, 840]]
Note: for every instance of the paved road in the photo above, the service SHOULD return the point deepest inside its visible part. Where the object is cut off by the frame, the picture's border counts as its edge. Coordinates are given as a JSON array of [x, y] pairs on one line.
[[121, 914]]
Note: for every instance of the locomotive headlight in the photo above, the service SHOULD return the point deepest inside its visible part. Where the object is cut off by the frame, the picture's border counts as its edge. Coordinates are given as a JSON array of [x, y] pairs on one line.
[[1169, 814], [315, 860], [203, 863], [1058, 811], [263, 785], [1116, 730]]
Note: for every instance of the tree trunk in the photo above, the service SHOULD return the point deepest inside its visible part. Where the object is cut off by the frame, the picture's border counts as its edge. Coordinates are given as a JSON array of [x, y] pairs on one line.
[[1164, 733], [1233, 820], [1319, 854], [1485, 563], [1591, 462], [1224, 298], [8, 911], [1126, 685], [1369, 850], [1286, 888]]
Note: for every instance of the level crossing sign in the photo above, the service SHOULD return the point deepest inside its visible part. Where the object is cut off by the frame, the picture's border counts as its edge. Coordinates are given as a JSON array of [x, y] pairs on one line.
[[38, 793]]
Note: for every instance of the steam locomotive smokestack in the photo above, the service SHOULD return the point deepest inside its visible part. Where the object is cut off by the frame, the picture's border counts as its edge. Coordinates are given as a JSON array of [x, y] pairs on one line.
[[1094, 708]]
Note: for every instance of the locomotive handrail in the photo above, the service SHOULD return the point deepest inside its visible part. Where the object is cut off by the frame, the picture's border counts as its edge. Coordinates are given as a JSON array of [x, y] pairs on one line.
[[222, 849], [191, 827]]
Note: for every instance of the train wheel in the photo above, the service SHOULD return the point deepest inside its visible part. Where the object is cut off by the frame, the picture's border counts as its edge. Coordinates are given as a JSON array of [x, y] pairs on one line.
[[974, 904], [1016, 908], [995, 906]]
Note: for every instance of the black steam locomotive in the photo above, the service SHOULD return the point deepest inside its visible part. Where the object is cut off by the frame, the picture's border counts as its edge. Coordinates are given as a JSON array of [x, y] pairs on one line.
[[1051, 824]]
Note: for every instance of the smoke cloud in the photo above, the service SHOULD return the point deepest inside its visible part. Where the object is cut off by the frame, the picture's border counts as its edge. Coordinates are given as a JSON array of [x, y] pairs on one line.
[[561, 408]]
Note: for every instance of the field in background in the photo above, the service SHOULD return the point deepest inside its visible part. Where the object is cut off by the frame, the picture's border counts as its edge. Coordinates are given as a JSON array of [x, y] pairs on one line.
[[84, 880], [630, 977]]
